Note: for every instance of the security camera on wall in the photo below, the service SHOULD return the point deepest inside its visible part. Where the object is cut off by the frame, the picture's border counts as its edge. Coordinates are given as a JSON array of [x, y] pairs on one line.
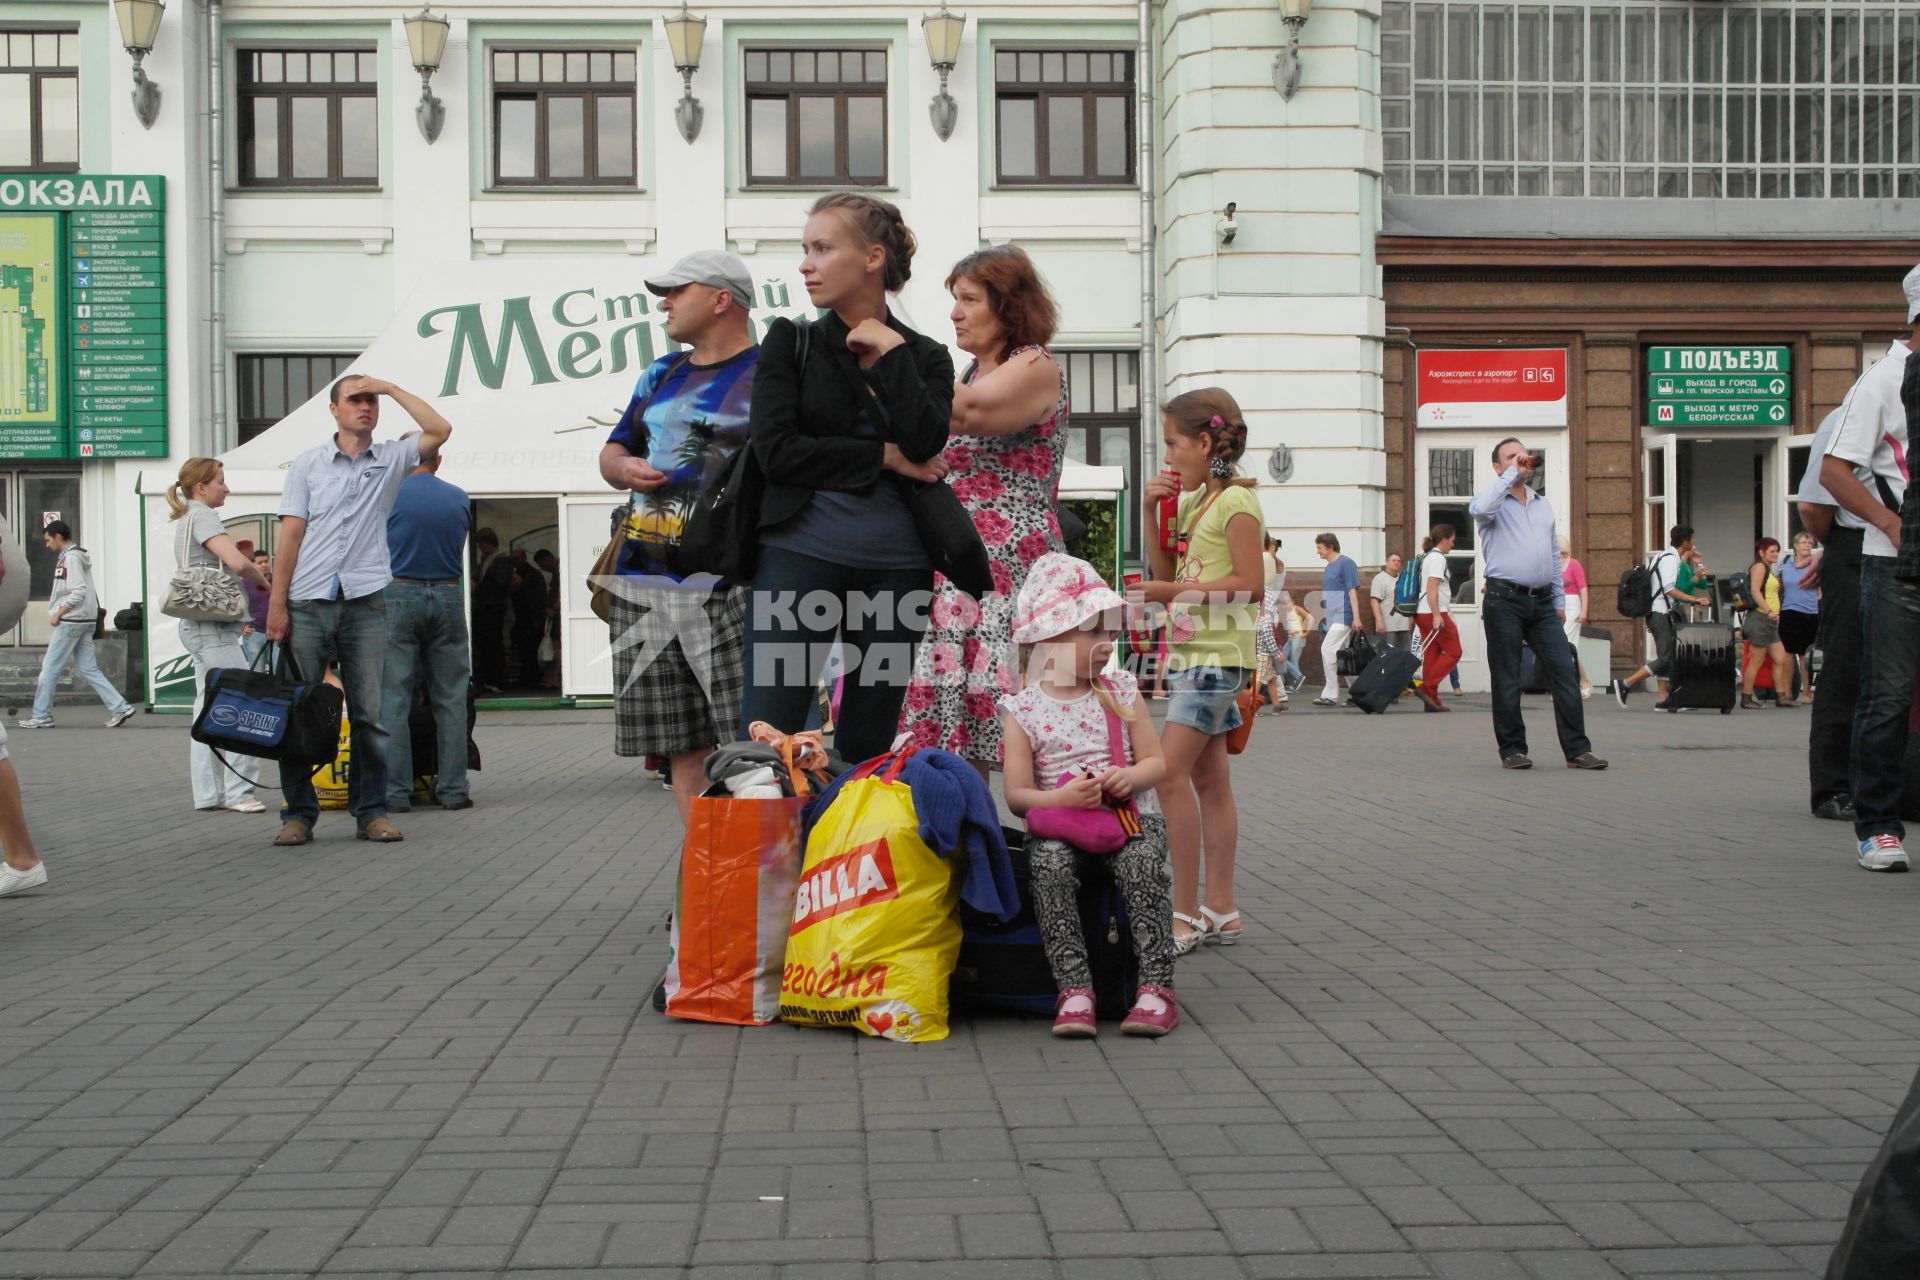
[[1227, 228]]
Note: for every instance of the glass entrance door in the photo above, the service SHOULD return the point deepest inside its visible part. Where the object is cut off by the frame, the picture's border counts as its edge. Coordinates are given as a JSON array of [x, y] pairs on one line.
[[31, 500]]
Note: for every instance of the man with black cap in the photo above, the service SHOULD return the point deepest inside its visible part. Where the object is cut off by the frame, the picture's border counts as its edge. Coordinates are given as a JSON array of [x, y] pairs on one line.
[[678, 648], [1865, 471]]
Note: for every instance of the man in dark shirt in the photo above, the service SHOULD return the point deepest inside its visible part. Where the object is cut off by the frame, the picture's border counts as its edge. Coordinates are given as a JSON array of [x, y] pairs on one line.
[[427, 634], [529, 618], [492, 594]]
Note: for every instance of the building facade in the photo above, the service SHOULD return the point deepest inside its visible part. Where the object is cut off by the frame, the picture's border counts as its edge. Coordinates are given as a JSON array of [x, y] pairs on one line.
[[1609, 183]]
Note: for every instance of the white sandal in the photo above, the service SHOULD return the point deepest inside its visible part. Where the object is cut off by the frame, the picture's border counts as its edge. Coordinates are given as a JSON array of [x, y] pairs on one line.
[[1191, 943], [1216, 928]]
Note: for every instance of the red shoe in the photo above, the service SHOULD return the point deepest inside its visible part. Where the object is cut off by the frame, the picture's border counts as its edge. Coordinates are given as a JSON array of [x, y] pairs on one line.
[[1141, 1022], [1079, 1025]]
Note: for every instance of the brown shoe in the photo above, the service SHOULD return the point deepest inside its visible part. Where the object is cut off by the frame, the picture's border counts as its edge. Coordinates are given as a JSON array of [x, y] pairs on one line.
[[1431, 698], [294, 831], [380, 831]]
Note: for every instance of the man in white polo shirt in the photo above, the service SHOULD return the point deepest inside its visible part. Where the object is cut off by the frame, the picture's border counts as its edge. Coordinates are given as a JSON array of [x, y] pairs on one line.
[[1865, 471]]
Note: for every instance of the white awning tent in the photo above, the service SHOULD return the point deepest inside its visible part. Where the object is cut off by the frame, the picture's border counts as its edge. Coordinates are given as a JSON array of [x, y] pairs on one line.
[[533, 363]]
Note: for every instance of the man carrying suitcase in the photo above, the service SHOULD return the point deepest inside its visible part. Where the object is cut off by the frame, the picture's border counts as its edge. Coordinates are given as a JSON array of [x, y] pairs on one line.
[[1526, 602], [1661, 622]]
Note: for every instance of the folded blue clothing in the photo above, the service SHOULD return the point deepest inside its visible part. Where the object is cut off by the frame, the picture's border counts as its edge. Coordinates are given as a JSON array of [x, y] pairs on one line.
[[958, 817]]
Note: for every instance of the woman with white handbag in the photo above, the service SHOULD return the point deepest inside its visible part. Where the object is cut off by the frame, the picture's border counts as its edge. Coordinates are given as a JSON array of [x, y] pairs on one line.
[[214, 614]]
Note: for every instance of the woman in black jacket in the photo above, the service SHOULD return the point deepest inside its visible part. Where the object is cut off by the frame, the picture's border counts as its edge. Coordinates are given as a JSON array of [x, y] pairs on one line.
[[839, 554]]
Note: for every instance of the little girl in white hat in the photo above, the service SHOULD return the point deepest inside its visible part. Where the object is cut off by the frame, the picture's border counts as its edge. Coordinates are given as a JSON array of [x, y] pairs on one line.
[[1080, 742]]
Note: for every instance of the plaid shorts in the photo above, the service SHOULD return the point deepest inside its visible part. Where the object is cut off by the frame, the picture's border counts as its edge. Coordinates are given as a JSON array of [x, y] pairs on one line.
[[662, 710]]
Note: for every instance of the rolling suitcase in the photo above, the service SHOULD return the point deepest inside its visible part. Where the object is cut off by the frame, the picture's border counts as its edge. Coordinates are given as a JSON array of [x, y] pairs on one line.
[[1385, 679], [1003, 965], [1706, 668]]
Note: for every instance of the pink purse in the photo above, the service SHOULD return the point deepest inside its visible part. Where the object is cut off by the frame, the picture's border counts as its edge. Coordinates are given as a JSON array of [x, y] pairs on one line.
[[1105, 829]]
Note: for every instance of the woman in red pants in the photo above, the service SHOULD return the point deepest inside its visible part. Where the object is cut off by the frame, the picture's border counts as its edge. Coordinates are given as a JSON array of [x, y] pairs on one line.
[[1438, 635]]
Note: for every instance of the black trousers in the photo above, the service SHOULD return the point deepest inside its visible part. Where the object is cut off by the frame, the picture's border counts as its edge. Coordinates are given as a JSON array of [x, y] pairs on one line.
[[1511, 618], [1830, 736], [798, 607]]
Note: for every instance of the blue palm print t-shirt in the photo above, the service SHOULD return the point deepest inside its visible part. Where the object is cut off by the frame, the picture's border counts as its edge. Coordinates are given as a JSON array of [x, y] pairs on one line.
[[687, 420]]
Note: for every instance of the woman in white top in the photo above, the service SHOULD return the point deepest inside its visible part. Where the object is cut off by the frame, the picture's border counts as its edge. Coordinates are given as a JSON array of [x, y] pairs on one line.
[[1438, 635], [1274, 603], [203, 540]]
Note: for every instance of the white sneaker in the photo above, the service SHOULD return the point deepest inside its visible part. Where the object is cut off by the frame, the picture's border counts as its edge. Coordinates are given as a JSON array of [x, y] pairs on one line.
[[1882, 853], [251, 804], [12, 881], [119, 718], [34, 722]]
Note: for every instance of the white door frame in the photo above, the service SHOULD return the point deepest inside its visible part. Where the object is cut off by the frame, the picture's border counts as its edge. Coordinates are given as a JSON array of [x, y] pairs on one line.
[[586, 657], [1554, 442]]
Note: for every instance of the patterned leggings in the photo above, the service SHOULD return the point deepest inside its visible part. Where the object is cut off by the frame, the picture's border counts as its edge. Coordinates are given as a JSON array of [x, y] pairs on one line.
[[1146, 882]]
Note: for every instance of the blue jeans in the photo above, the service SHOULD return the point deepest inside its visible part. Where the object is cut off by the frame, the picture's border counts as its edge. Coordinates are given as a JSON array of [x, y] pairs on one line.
[[351, 634], [1292, 654], [1510, 619], [1889, 650], [73, 642], [227, 778], [426, 633]]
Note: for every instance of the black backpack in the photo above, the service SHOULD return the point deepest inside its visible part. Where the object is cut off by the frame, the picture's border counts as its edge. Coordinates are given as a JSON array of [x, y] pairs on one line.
[[1638, 586]]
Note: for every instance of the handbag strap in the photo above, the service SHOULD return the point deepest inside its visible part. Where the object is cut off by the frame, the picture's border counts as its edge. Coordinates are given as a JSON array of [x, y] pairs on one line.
[[1116, 750], [1186, 535]]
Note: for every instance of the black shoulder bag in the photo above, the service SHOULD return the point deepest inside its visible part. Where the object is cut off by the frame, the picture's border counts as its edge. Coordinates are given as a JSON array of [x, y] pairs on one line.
[[265, 714]]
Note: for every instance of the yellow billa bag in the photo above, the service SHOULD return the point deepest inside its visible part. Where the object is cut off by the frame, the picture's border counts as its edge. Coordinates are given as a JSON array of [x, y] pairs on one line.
[[875, 935]]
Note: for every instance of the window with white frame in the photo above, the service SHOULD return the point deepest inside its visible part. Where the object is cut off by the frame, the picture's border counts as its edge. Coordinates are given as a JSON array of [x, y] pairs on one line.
[[1454, 474], [1807, 99], [40, 101]]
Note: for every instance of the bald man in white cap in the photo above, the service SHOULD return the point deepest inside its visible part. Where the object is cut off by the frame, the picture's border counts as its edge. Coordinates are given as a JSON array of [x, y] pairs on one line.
[[1865, 471]]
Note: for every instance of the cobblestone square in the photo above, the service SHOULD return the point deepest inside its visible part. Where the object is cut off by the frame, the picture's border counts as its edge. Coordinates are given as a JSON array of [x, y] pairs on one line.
[[1483, 1026]]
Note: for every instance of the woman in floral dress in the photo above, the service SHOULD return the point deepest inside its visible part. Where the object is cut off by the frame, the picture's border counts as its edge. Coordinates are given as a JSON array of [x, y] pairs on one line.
[[1009, 438]]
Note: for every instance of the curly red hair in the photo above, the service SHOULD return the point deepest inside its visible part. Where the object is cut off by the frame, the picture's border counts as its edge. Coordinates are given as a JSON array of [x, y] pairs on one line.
[[1027, 312]]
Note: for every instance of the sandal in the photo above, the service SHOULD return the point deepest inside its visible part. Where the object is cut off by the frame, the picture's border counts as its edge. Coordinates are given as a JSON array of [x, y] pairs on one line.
[[1217, 923], [1197, 933]]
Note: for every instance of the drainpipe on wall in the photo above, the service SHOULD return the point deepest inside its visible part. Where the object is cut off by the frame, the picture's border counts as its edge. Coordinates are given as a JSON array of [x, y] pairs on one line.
[[216, 440], [1149, 247]]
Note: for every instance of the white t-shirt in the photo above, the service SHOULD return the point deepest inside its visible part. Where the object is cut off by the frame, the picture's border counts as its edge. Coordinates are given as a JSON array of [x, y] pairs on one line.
[[1383, 591], [1434, 565], [1811, 490], [1872, 435], [1666, 576]]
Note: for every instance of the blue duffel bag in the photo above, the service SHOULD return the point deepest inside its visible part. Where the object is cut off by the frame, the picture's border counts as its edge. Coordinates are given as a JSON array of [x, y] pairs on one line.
[[252, 712]]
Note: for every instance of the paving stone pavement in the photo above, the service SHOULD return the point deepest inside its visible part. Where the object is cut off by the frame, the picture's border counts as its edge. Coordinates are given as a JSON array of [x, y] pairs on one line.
[[1483, 1026]]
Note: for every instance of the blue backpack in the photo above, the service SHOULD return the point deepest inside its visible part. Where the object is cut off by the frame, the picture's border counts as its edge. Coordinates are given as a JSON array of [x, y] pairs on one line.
[[1406, 589]]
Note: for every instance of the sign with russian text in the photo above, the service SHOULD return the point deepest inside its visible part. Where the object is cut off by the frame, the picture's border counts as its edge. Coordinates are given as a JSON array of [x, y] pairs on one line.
[[1501, 387], [1719, 386], [32, 361], [102, 338]]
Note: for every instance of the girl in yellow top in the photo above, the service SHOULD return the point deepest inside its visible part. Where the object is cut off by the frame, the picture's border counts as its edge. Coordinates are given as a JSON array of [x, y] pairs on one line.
[[1211, 583]]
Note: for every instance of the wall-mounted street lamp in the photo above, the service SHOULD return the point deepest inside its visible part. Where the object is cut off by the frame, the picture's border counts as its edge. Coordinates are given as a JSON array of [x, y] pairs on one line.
[[685, 32], [943, 31], [1286, 67], [426, 41], [139, 24]]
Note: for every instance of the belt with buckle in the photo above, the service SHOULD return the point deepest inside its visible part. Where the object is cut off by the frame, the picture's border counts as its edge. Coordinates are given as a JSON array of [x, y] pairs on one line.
[[429, 582], [1544, 593]]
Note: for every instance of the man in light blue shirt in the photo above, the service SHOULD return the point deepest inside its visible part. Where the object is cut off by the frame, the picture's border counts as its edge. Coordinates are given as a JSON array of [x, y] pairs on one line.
[[1340, 604], [329, 599], [1525, 603]]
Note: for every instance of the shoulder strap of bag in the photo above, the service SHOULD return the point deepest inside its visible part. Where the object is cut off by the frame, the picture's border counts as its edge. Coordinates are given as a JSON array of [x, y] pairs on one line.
[[1116, 750], [1186, 535], [180, 541], [646, 401], [802, 347]]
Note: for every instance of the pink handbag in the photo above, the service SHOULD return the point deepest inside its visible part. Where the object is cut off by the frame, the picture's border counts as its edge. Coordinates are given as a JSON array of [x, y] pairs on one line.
[[1105, 829]]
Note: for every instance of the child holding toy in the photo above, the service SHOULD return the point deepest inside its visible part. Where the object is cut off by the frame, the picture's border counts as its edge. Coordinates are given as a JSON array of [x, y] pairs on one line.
[[1081, 761]]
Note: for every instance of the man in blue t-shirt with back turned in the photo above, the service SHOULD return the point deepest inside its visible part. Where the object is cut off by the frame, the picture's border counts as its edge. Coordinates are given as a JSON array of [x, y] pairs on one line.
[[679, 661], [427, 635]]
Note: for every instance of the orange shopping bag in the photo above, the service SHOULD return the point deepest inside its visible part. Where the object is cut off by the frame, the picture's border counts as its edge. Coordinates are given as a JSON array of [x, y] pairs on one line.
[[738, 871]]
